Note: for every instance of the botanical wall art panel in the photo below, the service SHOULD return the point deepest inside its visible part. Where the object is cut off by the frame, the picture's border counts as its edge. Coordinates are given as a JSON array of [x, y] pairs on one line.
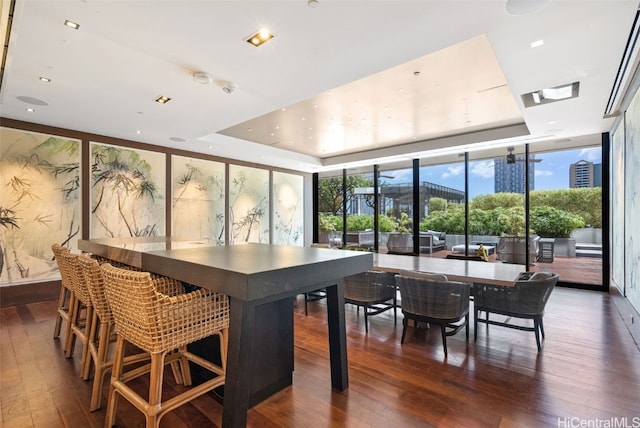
[[288, 210], [197, 206], [617, 206], [39, 203], [127, 192], [248, 204], [632, 201]]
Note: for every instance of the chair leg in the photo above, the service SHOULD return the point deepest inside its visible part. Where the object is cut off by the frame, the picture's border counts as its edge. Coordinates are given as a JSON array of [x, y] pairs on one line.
[[100, 370], [475, 323], [404, 329], [536, 328], [466, 325], [155, 389], [395, 306], [444, 339], [116, 373], [366, 319], [541, 327]]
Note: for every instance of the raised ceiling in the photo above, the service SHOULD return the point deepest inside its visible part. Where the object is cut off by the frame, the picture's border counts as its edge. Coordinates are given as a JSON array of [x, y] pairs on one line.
[[340, 83]]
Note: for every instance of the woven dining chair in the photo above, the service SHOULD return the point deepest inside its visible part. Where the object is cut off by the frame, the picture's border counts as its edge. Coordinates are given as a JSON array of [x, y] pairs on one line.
[[102, 332], [159, 324], [429, 298], [81, 310], [65, 299], [526, 300], [375, 291]]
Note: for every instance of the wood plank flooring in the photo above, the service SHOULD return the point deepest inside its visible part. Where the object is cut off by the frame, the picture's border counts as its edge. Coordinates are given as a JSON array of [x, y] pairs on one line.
[[589, 369]]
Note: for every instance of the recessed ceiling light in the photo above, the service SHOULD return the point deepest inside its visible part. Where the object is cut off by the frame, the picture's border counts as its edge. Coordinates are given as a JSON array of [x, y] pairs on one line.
[[537, 43], [30, 110], [44, 79], [178, 139], [550, 95], [163, 99], [138, 132], [263, 35], [313, 3], [71, 24]]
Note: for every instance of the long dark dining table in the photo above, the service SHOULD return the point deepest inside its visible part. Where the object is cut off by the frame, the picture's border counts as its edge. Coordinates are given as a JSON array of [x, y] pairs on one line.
[[497, 273], [260, 280]]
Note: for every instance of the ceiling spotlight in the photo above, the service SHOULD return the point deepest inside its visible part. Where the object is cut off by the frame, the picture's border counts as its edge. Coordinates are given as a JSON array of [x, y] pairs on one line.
[[260, 37], [202, 77], [227, 86], [163, 99], [71, 24], [313, 3]]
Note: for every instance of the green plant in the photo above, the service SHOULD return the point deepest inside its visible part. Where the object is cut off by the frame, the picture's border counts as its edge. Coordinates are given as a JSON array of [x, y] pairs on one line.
[[551, 222], [404, 223], [359, 222], [325, 223], [513, 221], [437, 204]]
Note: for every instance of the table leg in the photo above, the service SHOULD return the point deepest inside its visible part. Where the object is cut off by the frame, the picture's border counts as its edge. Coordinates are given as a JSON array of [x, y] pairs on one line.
[[337, 337], [237, 386]]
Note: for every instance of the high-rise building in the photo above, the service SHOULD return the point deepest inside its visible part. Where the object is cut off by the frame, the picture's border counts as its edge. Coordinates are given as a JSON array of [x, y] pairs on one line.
[[585, 174], [509, 174]]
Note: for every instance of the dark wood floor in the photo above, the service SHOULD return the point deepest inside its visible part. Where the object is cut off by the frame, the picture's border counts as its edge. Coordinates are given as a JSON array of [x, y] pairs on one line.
[[589, 369]]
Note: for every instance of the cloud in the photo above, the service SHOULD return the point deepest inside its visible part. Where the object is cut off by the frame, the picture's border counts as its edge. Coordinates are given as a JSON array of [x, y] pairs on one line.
[[453, 171], [593, 154], [484, 169], [542, 173]]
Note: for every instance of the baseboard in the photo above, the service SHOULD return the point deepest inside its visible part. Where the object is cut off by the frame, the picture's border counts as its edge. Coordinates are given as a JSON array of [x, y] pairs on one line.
[[29, 293], [629, 314]]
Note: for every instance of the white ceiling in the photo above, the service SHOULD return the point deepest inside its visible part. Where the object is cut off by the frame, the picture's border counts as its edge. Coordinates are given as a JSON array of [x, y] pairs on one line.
[[337, 84]]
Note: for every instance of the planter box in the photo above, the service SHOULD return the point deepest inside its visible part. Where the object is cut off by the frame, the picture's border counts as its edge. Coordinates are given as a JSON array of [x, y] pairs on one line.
[[511, 249]]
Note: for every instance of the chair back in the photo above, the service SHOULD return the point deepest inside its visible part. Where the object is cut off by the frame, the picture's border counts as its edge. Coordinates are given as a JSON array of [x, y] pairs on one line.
[[94, 280], [423, 275], [526, 297], [70, 267], [433, 298], [370, 286], [64, 274], [156, 322]]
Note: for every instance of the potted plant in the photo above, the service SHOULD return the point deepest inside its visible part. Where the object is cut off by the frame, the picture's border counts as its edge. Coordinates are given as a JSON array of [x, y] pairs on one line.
[[550, 222], [401, 241], [511, 245]]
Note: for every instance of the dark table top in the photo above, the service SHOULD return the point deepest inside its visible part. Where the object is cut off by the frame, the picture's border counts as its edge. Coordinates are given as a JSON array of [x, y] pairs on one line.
[[246, 271]]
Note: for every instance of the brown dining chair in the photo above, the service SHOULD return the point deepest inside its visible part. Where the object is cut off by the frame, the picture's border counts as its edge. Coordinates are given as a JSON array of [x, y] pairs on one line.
[[375, 291], [81, 310], [525, 300], [65, 299], [159, 324], [102, 332], [433, 299]]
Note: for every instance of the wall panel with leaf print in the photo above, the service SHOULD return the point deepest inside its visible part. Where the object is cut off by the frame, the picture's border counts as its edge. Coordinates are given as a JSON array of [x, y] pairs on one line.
[[248, 204], [288, 209], [198, 198], [39, 203], [127, 192]]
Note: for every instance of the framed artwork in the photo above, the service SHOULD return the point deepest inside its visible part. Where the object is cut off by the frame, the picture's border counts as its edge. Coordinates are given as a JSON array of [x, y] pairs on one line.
[[39, 203], [617, 207], [127, 192], [198, 198], [248, 204], [632, 202], [288, 209]]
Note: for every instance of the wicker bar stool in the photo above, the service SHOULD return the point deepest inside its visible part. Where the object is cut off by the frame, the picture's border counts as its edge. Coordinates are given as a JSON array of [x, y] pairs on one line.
[[102, 332], [160, 324], [81, 309], [65, 300]]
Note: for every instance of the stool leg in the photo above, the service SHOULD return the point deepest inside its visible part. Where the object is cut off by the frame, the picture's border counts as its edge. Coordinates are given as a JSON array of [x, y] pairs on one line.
[[155, 390], [116, 373]]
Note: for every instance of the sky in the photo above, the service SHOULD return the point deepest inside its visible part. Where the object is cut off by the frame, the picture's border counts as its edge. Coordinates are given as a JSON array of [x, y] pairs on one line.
[[552, 172]]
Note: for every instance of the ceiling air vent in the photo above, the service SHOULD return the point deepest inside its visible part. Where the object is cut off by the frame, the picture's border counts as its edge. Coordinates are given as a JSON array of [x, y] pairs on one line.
[[551, 95]]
